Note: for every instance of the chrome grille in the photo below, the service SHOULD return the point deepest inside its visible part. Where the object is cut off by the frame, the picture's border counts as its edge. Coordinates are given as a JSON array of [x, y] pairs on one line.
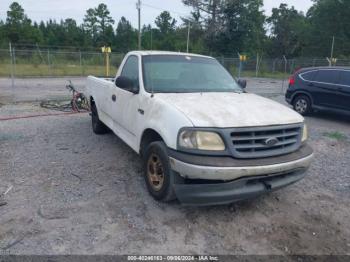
[[252, 142]]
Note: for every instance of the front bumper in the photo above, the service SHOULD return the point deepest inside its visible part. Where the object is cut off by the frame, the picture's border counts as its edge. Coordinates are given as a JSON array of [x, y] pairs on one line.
[[236, 180], [229, 192], [228, 169]]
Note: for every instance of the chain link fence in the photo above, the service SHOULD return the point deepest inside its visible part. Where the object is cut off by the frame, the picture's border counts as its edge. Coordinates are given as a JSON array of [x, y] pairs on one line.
[[278, 68], [46, 63]]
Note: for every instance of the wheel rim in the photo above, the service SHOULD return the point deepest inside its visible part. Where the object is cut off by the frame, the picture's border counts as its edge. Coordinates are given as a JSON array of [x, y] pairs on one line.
[[301, 106], [155, 172]]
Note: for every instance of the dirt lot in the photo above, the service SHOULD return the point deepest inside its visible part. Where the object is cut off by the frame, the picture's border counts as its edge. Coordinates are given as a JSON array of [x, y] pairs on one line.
[[78, 193]]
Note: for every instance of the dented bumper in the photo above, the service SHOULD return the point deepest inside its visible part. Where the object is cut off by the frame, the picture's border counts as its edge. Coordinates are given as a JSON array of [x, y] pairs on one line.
[[227, 168], [212, 181]]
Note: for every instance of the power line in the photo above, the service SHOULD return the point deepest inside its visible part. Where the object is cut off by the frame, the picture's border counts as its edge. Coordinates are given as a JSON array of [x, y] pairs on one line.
[[162, 9]]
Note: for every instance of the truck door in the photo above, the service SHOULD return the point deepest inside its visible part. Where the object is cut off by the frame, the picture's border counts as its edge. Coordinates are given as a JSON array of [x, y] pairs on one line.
[[126, 114]]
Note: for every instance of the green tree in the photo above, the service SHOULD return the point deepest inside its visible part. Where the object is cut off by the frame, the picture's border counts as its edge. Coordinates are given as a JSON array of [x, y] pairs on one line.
[[99, 24], [73, 34], [126, 36], [207, 20], [19, 27], [208, 12], [165, 34], [243, 27], [329, 18], [287, 27], [165, 23], [90, 22], [230, 26], [105, 23], [2, 35]]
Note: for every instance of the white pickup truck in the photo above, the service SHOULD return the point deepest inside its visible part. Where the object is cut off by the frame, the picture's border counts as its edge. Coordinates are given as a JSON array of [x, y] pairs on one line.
[[203, 139]]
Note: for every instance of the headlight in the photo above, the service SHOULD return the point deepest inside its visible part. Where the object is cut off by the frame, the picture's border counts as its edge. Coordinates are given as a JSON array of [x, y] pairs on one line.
[[201, 140], [304, 137]]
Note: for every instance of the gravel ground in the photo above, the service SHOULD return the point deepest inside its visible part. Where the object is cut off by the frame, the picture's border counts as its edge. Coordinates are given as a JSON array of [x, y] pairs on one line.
[[78, 193]]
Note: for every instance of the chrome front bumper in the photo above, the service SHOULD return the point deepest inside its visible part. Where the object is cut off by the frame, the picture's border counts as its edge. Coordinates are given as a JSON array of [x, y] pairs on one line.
[[192, 171]]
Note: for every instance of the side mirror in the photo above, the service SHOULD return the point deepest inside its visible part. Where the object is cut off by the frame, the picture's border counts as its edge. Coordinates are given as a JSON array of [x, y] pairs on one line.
[[242, 83], [127, 84]]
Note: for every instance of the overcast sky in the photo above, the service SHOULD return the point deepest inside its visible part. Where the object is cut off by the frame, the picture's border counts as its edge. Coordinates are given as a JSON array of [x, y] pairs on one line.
[[39, 10]]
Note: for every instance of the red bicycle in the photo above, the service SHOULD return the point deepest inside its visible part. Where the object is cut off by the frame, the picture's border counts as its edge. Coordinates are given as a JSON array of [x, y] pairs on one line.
[[79, 102]]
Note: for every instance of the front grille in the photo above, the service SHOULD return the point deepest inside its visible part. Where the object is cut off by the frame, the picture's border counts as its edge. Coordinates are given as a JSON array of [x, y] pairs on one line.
[[252, 142]]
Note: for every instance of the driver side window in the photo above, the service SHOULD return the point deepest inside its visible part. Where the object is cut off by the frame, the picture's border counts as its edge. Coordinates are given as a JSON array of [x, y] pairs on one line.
[[131, 70]]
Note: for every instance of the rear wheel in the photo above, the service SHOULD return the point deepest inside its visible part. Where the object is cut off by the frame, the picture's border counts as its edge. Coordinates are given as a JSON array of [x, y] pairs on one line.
[[159, 176], [98, 127], [302, 105]]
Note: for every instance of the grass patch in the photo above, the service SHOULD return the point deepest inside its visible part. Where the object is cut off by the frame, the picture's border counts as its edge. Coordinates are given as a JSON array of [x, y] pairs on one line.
[[336, 135], [32, 70], [71, 68], [264, 74]]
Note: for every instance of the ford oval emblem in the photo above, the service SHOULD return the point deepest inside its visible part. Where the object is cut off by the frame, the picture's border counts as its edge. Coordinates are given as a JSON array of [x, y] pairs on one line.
[[270, 142]]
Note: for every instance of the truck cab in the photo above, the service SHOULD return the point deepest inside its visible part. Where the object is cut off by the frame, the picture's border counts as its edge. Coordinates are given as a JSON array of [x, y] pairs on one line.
[[203, 139]]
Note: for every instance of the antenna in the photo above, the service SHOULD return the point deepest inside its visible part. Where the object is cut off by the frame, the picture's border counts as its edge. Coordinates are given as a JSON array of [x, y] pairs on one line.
[[152, 91]]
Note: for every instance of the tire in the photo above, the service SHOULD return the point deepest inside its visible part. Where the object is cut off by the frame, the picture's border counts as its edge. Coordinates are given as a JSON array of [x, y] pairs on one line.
[[156, 164], [302, 105], [98, 127]]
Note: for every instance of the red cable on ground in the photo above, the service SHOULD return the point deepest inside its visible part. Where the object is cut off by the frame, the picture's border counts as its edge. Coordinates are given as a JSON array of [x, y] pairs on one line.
[[39, 115]]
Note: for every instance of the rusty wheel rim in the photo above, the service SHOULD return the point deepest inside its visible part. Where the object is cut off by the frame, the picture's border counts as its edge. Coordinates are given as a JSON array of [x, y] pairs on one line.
[[155, 172]]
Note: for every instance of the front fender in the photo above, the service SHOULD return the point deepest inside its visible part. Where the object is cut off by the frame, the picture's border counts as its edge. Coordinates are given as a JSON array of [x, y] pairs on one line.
[[164, 119]]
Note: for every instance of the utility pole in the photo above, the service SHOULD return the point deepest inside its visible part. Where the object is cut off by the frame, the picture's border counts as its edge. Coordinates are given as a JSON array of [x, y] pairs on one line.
[[332, 50], [188, 35], [138, 7]]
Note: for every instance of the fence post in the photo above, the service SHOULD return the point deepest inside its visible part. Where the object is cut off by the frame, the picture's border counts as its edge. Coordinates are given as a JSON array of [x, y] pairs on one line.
[[274, 66], [11, 58], [14, 60], [240, 66], [292, 66], [257, 65], [48, 61], [285, 72], [81, 65]]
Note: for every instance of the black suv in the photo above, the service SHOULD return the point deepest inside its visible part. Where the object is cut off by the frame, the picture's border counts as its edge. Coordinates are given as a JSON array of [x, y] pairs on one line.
[[320, 88]]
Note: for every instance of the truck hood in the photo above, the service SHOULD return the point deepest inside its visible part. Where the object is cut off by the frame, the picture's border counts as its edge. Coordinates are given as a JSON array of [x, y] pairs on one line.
[[231, 109]]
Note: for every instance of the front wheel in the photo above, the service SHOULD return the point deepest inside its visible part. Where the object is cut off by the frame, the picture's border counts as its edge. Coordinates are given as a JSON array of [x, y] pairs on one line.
[[302, 105], [159, 176]]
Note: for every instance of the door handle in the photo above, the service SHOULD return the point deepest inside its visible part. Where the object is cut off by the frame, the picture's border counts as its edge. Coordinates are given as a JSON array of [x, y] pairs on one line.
[[114, 98], [311, 84]]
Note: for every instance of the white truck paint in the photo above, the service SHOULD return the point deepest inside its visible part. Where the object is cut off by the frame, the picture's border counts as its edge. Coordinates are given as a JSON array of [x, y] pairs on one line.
[[130, 115]]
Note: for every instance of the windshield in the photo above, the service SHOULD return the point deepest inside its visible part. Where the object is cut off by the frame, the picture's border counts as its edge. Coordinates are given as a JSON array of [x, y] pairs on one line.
[[186, 74]]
